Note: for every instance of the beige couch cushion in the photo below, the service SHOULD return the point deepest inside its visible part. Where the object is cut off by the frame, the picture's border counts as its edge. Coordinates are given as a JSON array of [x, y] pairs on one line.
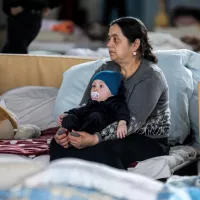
[[22, 70]]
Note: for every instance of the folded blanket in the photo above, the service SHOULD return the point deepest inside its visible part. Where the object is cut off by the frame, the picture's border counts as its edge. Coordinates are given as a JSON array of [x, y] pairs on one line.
[[31, 147], [77, 179]]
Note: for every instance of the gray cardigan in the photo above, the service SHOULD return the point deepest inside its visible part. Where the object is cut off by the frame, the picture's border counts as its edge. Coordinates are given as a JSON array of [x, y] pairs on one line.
[[147, 99]]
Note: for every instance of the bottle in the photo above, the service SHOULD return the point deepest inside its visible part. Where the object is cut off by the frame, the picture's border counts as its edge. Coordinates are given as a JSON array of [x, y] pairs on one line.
[[162, 18]]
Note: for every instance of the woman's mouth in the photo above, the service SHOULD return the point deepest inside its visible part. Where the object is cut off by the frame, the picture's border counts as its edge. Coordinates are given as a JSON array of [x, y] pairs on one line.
[[111, 52]]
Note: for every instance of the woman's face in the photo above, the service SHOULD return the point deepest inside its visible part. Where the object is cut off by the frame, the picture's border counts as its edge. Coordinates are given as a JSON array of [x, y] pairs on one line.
[[118, 45], [100, 91]]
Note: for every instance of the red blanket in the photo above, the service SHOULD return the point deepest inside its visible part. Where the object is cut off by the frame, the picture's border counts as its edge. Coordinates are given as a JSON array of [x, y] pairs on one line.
[[31, 147]]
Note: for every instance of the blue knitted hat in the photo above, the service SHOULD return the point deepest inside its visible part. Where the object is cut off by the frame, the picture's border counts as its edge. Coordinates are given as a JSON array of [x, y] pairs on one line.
[[111, 79]]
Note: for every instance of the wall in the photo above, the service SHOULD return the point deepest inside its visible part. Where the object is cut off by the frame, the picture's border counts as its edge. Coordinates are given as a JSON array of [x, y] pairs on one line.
[[150, 8], [94, 8]]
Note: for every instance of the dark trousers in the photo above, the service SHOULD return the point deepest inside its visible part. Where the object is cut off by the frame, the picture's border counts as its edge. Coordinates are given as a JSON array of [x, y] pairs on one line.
[[21, 31], [92, 123], [115, 153]]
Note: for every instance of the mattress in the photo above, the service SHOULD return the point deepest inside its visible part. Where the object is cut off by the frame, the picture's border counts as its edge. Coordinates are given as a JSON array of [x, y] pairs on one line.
[[13, 167], [22, 158]]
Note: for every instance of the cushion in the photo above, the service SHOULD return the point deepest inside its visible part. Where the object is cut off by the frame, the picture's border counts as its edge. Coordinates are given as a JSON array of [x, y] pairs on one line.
[[193, 107], [32, 105], [192, 61], [189, 60], [180, 83]]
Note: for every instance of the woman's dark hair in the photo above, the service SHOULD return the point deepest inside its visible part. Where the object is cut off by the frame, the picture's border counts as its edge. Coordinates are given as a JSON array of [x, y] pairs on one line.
[[133, 29]]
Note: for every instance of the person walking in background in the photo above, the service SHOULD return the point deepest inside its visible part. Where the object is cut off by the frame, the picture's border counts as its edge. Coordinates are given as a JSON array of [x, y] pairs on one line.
[[24, 18], [98, 31], [110, 6]]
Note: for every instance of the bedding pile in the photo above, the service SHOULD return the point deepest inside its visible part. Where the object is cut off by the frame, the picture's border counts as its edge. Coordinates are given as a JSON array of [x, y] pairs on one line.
[[73, 179], [77, 179], [31, 105], [49, 40], [181, 188], [31, 147]]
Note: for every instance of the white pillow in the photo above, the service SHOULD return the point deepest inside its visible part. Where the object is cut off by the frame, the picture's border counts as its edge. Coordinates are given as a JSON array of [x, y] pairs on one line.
[[180, 83], [32, 105]]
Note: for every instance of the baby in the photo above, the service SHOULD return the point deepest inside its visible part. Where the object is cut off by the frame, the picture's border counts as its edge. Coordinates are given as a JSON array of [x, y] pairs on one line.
[[107, 105]]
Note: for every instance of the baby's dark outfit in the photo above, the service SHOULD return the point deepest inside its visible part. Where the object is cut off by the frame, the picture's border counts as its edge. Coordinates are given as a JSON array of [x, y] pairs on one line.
[[95, 116]]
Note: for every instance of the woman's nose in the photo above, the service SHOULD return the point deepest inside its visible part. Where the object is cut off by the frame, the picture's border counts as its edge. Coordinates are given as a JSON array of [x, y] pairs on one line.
[[109, 43]]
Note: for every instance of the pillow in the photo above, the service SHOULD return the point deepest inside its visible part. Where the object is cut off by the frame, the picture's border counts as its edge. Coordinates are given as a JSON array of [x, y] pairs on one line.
[[75, 81], [193, 63], [32, 105], [193, 108], [180, 83]]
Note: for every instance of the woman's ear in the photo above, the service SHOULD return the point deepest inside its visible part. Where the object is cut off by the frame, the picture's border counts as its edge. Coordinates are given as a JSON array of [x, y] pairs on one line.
[[136, 45]]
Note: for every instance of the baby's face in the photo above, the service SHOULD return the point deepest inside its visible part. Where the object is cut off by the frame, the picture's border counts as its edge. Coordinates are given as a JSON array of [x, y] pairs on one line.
[[100, 91]]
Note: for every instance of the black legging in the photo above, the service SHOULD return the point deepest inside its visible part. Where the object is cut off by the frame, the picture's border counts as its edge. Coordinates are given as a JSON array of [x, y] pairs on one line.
[[21, 31], [94, 122], [115, 153]]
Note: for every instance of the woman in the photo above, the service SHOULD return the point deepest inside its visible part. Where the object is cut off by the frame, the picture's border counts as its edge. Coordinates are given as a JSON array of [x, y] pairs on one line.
[[146, 97]]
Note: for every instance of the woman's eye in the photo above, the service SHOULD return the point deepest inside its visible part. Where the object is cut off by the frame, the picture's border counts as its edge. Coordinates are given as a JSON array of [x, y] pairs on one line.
[[116, 40]]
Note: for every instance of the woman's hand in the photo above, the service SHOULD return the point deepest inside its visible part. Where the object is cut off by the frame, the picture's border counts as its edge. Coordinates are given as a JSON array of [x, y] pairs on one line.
[[60, 118], [16, 10], [121, 129], [84, 140], [63, 139]]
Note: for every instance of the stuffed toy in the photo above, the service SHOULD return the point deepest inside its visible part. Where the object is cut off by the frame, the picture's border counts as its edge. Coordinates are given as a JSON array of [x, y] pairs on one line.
[[9, 128]]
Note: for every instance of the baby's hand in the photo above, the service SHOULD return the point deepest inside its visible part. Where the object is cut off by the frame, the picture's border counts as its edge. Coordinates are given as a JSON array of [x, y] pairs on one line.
[[60, 118], [121, 129]]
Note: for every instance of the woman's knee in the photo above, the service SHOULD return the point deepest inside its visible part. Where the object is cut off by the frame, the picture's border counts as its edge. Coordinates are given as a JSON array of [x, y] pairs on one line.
[[55, 150], [53, 144]]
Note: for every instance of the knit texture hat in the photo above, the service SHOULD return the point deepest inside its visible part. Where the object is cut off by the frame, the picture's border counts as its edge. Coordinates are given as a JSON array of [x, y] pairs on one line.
[[112, 79]]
